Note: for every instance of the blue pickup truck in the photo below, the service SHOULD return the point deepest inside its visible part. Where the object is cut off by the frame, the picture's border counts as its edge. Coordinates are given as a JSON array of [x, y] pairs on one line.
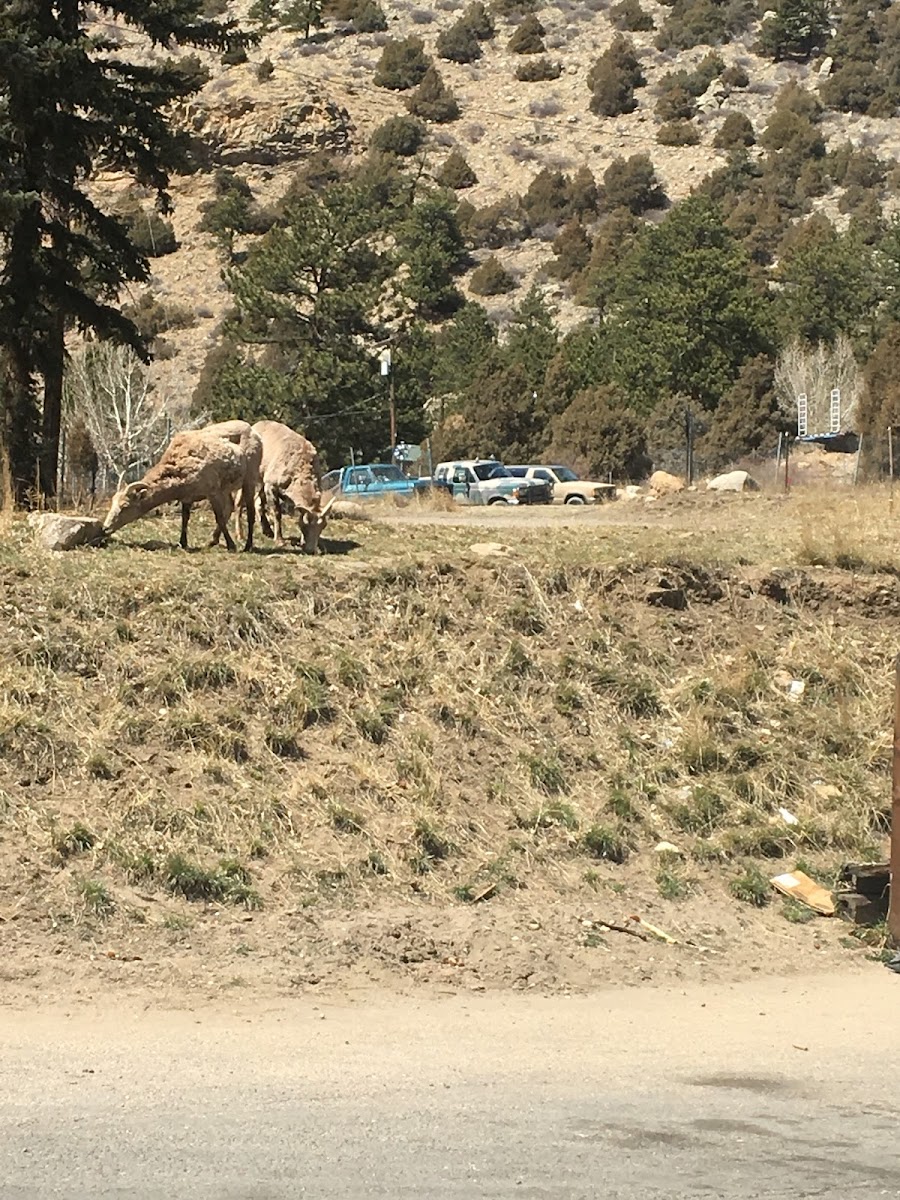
[[371, 480]]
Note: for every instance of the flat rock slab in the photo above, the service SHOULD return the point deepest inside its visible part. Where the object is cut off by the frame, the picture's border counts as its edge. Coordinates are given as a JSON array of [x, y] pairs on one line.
[[55, 532]]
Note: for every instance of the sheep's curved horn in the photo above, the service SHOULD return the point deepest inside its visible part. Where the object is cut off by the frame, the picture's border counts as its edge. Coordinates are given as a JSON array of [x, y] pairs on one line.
[[323, 512]]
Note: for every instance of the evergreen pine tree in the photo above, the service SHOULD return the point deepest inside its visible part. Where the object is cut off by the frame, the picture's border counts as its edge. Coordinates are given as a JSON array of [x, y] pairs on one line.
[[69, 104]]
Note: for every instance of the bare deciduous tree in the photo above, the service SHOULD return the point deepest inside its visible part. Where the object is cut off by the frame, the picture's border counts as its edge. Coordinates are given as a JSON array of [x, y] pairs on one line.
[[110, 390], [814, 371]]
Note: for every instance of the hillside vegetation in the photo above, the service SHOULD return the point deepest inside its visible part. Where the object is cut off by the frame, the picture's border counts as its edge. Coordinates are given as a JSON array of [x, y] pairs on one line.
[[572, 222]]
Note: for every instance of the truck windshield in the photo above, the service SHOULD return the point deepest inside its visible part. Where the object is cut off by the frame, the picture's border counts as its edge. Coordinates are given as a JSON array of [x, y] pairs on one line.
[[387, 474], [490, 470], [565, 474]]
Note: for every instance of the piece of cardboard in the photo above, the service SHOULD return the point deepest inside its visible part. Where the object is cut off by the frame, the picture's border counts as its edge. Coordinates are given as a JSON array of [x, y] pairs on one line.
[[800, 887]]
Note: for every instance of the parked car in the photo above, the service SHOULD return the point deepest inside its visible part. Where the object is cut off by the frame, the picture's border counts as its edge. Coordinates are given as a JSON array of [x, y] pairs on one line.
[[370, 480], [487, 481], [567, 487]]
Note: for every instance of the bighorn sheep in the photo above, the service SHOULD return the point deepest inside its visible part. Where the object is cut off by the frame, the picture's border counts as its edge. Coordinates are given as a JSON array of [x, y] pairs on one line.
[[291, 480], [199, 464]]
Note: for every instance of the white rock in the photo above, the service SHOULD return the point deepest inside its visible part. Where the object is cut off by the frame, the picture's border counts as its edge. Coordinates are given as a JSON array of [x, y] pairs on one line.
[[630, 491], [489, 550], [825, 68], [56, 532], [666, 848], [733, 481]]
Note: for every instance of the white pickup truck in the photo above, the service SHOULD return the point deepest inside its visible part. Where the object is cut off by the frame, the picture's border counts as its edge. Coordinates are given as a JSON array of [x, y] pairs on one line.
[[566, 486], [487, 481]]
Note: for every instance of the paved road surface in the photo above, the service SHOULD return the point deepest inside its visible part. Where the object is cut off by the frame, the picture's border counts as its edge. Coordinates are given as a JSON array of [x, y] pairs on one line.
[[774, 1089]]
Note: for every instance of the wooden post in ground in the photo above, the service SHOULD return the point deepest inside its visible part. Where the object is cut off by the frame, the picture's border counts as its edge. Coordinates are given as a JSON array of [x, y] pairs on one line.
[[778, 455], [894, 909], [787, 459], [891, 462], [858, 456]]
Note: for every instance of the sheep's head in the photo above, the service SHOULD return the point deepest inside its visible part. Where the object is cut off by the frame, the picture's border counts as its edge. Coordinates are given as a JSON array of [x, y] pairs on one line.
[[129, 503], [312, 522]]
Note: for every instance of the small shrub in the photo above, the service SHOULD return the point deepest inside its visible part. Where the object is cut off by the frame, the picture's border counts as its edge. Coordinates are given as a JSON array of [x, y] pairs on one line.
[[613, 78], [631, 183], [751, 887], [456, 173], [735, 77], [432, 100], [500, 224], [547, 774], [556, 814], [678, 133], [402, 65], [736, 131], [96, 897], [491, 278], [398, 135], [671, 884], [265, 70], [676, 103], [537, 70], [228, 881], [421, 16], [76, 840], [458, 44], [628, 15], [370, 18], [607, 842], [528, 38], [479, 20], [234, 57], [345, 820], [434, 847], [513, 8], [148, 231]]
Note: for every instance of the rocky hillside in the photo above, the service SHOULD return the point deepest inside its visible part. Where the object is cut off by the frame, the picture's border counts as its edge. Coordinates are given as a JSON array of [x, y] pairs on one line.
[[321, 94]]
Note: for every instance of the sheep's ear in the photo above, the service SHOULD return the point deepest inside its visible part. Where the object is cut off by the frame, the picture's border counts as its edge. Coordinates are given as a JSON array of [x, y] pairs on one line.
[[135, 491]]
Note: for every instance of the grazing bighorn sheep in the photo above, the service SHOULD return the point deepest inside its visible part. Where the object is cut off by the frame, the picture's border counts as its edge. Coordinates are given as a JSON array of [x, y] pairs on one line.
[[291, 480], [199, 464]]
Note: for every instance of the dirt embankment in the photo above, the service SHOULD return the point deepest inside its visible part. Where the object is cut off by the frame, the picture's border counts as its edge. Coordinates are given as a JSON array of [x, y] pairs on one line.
[[289, 773]]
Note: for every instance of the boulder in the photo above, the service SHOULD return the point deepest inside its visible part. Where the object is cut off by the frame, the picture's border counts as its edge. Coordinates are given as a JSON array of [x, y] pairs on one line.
[[630, 491], [663, 484], [825, 68], [349, 510], [733, 481], [55, 532], [265, 128]]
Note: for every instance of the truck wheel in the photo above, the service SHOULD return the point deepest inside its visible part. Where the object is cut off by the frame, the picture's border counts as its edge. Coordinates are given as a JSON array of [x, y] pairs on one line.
[[575, 500], [498, 500]]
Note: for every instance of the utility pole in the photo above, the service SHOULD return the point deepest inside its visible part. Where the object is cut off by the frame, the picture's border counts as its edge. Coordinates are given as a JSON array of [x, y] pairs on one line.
[[689, 445], [384, 359]]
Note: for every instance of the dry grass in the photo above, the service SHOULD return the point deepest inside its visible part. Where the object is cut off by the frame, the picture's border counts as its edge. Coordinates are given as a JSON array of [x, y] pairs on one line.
[[288, 732]]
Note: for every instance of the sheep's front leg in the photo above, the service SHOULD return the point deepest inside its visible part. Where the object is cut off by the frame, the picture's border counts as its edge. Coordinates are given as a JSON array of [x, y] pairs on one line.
[[264, 522], [279, 533], [185, 517]]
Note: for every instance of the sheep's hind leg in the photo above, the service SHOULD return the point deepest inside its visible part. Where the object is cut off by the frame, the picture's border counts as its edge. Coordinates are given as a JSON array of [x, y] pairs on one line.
[[250, 507], [222, 510]]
